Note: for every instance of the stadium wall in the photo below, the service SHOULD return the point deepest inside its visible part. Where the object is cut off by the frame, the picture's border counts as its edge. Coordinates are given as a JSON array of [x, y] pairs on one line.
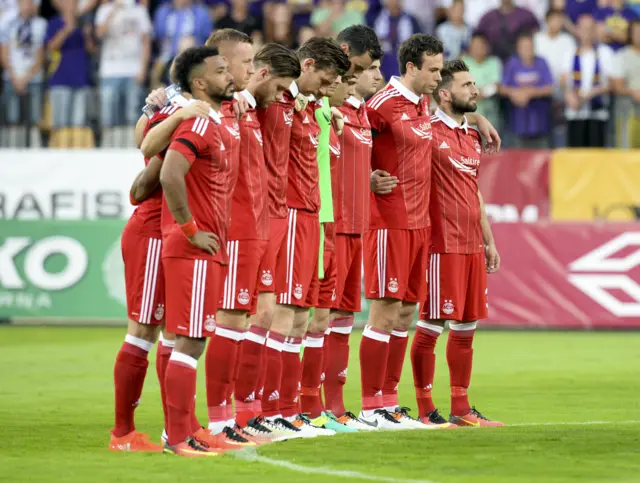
[[62, 213]]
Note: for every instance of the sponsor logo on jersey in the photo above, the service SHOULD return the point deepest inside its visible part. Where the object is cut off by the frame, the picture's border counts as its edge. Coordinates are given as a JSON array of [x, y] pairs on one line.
[[393, 285], [159, 313], [210, 323], [363, 135], [233, 130], [423, 131], [267, 278], [335, 150], [447, 307], [463, 167], [297, 292], [243, 297]]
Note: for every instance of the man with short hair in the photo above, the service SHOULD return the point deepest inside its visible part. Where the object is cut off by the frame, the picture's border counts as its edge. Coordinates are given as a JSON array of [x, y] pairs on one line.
[[194, 250], [462, 252]]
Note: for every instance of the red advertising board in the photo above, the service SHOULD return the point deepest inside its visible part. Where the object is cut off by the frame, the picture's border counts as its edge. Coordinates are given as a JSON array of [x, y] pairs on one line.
[[566, 275], [515, 185]]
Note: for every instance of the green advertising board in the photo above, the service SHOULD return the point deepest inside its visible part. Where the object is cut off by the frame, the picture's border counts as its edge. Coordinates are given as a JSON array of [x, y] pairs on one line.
[[62, 269]]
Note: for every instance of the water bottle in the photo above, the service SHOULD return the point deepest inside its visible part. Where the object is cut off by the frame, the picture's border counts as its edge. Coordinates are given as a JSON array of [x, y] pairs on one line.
[[171, 91]]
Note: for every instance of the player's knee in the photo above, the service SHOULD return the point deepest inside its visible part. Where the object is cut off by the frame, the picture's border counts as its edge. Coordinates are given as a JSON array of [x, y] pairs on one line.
[[143, 331], [189, 346], [320, 321], [383, 314], [283, 319], [406, 316]]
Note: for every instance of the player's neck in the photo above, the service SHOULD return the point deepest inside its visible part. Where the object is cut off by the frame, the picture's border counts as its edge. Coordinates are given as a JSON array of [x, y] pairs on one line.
[[456, 116], [216, 105], [404, 80]]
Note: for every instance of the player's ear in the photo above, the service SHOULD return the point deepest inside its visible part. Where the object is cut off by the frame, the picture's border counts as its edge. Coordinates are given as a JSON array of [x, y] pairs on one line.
[[264, 73], [308, 64]]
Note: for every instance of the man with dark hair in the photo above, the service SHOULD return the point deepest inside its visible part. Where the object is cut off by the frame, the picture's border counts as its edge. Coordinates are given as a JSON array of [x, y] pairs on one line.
[[462, 252], [195, 217], [363, 47], [290, 132], [396, 245]]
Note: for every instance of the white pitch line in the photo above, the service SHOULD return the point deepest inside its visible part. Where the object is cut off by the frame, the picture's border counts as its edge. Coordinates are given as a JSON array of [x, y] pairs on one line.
[[576, 423], [250, 454]]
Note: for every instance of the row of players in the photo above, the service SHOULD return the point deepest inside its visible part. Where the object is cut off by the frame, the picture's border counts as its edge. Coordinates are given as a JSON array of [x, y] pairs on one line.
[[267, 182]]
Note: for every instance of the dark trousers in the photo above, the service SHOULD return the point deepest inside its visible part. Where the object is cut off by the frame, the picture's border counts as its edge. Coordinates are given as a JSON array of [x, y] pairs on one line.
[[586, 134]]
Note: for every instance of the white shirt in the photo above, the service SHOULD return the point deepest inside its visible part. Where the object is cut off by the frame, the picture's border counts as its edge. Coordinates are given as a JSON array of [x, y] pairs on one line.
[[554, 51], [122, 45], [22, 52], [588, 68]]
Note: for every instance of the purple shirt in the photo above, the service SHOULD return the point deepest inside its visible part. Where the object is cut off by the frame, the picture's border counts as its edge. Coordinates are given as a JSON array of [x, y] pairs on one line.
[[70, 65], [255, 6], [502, 30], [171, 25], [534, 119], [618, 19], [575, 8], [392, 31]]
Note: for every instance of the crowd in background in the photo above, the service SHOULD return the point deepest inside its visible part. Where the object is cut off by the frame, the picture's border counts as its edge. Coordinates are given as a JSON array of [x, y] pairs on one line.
[[551, 73]]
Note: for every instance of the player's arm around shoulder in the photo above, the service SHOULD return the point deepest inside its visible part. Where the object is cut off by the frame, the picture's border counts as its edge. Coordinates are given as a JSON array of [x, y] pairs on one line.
[[487, 130]]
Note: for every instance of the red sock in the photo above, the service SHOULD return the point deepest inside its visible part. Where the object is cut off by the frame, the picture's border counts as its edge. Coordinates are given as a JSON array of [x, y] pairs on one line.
[[220, 364], [312, 362], [180, 382], [423, 363], [257, 404], [249, 372], [397, 352], [162, 359], [273, 377], [374, 352], [291, 376], [128, 376], [336, 356], [460, 360], [231, 388]]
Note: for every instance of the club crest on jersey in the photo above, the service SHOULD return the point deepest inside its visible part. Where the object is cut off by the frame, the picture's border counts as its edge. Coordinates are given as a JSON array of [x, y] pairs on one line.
[[288, 117], [393, 285], [159, 313], [447, 307], [313, 139], [363, 135], [267, 278], [243, 297], [210, 323], [333, 295], [477, 146], [258, 135], [297, 292]]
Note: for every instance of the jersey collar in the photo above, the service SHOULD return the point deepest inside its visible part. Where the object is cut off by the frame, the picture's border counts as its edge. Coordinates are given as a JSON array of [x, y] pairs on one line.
[[293, 88], [184, 102], [248, 97], [354, 102], [450, 122], [400, 87]]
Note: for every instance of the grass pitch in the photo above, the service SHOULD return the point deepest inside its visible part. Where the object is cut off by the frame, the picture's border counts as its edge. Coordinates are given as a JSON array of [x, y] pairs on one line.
[[56, 409]]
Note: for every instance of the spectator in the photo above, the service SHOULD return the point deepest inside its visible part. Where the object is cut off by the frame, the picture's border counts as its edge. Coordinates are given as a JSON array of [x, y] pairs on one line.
[[185, 43], [474, 10], [393, 26], [585, 80], [242, 19], [304, 34], [124, 29], [426, 12], [503, 25], [552, 44], [301, 11], [453, 33], [538, 7], [487, 71], [635, 5], [528, 84], [8, 7], [626, 81], [573, 9], [333, 16], [614, 21], [22, 58], [69, 83], [281, 22], [178, 19]]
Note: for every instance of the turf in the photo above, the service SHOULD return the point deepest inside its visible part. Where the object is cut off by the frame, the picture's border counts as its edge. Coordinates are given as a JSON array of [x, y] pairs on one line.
[[56, 410]]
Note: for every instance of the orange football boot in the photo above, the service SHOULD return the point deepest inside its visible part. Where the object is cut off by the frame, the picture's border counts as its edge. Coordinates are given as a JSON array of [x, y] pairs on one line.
[[474, 419], [191, 448], [134, 441]]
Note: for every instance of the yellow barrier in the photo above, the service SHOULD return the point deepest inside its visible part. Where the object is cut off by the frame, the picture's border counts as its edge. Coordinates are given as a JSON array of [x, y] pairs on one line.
[[595, 184]]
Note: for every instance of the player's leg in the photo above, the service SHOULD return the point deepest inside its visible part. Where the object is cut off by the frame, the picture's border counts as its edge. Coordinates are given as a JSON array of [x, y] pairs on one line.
[[145, 306], [397, 352], [193, 290], [460, 343]]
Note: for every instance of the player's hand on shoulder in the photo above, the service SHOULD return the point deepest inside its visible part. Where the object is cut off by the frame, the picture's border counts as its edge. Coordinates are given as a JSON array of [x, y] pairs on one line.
[[492, 258], [337, 120], [490, 134], [301, 102], [209, 242], [157, 97], [195, 109], [240, 107], [382, 183]]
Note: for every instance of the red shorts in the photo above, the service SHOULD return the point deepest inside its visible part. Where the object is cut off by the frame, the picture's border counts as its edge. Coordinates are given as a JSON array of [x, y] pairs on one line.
[[194, 288], [297, 262], [277, 235], [240, 290], [457, 288], [327, 287], [348, 272], [396, 264], [143, 276]]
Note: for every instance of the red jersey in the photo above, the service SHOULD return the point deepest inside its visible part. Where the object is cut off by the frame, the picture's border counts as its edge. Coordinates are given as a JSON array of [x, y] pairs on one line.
[[350, 172], [200, 141], [303, 190], [275, 122], [249, 207], [454, 205], [230, 132], [401, 126]]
